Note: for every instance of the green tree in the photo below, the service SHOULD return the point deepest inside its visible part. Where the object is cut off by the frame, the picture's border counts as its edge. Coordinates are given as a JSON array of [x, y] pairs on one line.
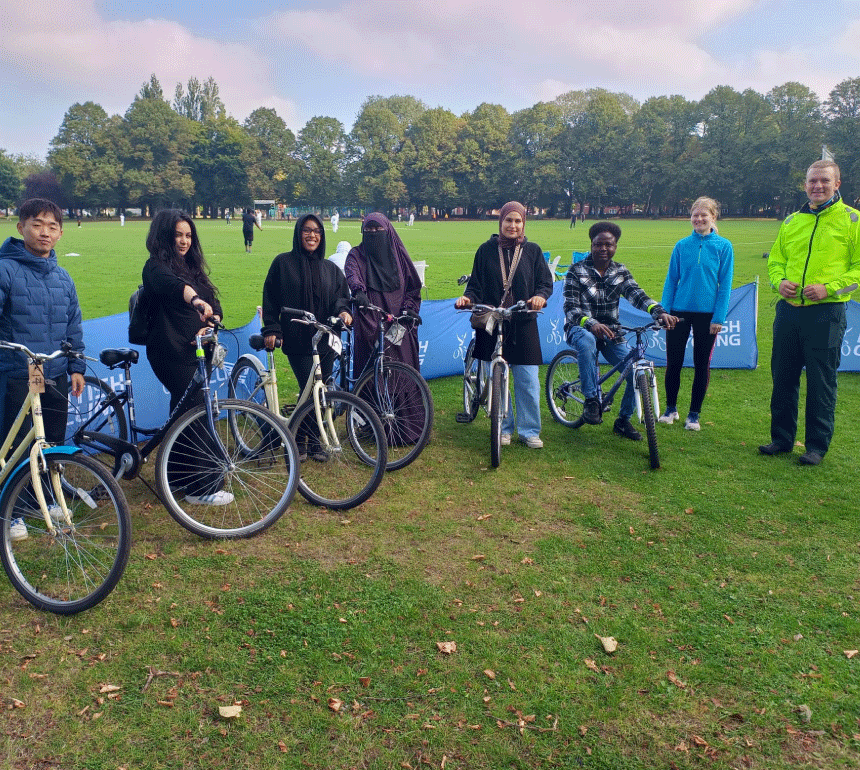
[[273, 172], [218, 164], [200, 102], [321, 148], [10, 182], [156, 143], [842, 110], [374, 177], [538, 171], [799, 134], [485, 177], [151, 89], [84, 156], [432, 159]]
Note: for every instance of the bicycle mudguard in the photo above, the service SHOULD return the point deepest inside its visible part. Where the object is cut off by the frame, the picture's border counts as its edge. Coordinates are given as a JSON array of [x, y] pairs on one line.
[[49, 452]]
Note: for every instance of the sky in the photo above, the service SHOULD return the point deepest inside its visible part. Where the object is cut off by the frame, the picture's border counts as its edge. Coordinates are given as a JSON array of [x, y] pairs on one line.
[[325, 57]]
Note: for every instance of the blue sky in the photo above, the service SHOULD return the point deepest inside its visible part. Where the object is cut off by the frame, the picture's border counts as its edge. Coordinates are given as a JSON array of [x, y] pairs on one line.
[[325, 57]]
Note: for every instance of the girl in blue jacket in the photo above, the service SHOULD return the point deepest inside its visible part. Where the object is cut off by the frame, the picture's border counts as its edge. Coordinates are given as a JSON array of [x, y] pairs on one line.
[[697, 290]]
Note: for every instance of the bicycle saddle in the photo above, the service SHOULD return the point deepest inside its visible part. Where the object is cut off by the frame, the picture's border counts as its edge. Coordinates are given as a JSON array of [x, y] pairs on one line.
[[117, 356]]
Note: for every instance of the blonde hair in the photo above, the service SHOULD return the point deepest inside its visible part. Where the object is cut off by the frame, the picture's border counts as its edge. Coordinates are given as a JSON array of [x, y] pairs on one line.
[[819, 164], [706, 203]]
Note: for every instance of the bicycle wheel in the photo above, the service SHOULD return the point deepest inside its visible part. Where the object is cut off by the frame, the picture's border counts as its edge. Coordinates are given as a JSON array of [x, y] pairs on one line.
[[474, 382], [344, 469], [402, 401], [110, 420], [237, 495], [246, 381], [563, 388], [644, 386], [78, 566], [496, 417]]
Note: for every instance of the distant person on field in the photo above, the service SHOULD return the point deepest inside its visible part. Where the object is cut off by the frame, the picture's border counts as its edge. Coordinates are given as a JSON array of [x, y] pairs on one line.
[[592, 291], [814, 266], [411, 219], [335, 221], [697, 290], [249, 222], [122, 220]]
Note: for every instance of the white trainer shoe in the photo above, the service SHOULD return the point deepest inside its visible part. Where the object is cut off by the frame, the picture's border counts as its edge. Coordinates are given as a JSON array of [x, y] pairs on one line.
[[506, 439], [668, 417], [18, 529], [532, 442], [216, 498]]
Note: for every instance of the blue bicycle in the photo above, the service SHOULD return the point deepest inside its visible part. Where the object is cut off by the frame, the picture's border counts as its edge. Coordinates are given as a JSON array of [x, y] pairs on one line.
[[565, 398]]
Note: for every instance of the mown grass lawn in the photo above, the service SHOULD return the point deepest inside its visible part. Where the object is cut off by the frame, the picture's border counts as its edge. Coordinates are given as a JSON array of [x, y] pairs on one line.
[[729, 580]]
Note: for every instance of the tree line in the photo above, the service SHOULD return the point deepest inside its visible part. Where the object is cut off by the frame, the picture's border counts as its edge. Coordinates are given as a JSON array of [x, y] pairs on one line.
[[590, 148]]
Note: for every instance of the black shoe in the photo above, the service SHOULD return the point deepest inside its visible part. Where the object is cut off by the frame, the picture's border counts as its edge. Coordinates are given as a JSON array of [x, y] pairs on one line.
[[809, 458], [773, 449], [624, 429], [591, 412]]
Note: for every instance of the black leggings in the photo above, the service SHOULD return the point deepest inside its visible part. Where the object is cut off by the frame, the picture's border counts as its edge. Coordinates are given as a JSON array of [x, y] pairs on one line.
[[703, 348]]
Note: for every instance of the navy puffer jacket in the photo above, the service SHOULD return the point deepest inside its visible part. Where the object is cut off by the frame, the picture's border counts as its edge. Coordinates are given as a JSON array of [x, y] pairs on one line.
[[38, 308]]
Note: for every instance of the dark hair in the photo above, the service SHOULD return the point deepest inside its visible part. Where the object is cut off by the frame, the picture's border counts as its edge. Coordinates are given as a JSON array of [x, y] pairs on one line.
[[35, 206], [161, 244], [604, 227]]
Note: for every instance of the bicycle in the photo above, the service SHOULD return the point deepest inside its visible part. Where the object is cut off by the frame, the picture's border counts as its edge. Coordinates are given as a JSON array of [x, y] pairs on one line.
[[396, 390], [225, 469], [494, 390], [66, 527], [342, 437], [565, 398]]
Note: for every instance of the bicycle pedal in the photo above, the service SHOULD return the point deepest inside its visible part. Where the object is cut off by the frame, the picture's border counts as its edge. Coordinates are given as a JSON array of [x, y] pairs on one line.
[[287, 410], [462, 417]]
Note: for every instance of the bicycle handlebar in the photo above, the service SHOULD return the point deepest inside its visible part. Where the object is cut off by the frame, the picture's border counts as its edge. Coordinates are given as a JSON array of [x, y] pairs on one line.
[[503, 313], [65, 350], [407, 316]]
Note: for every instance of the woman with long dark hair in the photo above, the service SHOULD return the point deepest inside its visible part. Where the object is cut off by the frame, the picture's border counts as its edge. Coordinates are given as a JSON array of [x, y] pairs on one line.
[[185, 300]]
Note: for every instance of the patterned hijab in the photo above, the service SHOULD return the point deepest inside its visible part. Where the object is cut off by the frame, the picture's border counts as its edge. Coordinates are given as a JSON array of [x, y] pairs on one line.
[[509, 243]]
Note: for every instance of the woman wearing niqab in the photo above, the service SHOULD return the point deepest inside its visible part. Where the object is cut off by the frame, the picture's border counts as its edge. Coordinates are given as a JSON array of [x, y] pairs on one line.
[[380, 268]]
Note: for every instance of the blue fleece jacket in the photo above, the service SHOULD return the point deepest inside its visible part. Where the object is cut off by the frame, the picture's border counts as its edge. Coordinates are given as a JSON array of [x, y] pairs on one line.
[[38, 308], [700, 276]]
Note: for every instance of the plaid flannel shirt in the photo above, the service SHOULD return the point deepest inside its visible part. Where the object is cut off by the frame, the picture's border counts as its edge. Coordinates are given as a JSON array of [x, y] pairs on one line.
[[590, 297]]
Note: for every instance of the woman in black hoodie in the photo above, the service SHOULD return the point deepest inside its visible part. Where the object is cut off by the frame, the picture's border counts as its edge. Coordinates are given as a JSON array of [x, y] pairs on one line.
[[303, 279]]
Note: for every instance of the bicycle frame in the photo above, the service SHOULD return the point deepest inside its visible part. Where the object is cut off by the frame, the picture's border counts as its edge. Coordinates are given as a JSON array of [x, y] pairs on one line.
[[127, 453], [634, 362]]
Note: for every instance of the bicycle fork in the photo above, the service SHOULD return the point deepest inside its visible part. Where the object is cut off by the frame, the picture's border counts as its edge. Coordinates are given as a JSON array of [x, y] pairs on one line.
[[646, 367]]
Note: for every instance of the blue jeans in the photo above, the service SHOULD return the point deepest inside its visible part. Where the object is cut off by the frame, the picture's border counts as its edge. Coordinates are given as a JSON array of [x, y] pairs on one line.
[[527, 393], [585, 345]]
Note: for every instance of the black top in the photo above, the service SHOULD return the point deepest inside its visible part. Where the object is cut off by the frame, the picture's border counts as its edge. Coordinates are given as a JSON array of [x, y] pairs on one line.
[[174, 321], [532, 278]]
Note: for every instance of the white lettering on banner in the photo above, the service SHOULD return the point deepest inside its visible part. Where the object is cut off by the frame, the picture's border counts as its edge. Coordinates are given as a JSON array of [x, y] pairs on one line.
[[730, 336], [422, 351], [462, 345], [555, 337], [846, 344]]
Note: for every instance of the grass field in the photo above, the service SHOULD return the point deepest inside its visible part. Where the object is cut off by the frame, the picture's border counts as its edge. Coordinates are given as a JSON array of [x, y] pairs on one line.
[[729, 580]]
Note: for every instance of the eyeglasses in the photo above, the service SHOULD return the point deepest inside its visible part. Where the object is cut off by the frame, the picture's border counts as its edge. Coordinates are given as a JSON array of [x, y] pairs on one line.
[[373, 229], [311, 231]]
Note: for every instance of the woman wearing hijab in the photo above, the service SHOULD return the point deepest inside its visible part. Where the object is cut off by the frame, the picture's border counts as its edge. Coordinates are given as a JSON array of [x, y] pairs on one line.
[[303, 279], [532, 282], [380, 269]]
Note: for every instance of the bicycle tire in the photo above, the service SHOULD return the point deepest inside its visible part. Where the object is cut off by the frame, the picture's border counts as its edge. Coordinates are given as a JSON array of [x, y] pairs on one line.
[[496, 417], [261, 471], [403, 402], [563, 388], [81, 564], [644, 386], [474, 382], [246, 384], [81, 408], [346, 475]]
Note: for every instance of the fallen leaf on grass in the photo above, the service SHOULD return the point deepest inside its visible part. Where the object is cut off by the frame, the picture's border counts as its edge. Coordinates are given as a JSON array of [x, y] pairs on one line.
[[609, 643], [478, 557], [850, 653], [109, 688], [17, 704], [489, 673], [805, 713], [229, 712], [589, 663], [699, 741], [447, 648], [670, 675], [335, 704]]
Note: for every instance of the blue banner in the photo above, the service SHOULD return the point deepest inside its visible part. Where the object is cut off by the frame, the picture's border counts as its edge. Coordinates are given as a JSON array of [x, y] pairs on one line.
[[442, 342], [851, 340]]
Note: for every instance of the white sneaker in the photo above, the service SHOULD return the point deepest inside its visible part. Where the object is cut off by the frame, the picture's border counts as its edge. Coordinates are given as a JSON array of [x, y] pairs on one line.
[[506, 439], [56, 514], [692, 424], [532, 442], [216, 498], [18, 529], [669, 417]]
